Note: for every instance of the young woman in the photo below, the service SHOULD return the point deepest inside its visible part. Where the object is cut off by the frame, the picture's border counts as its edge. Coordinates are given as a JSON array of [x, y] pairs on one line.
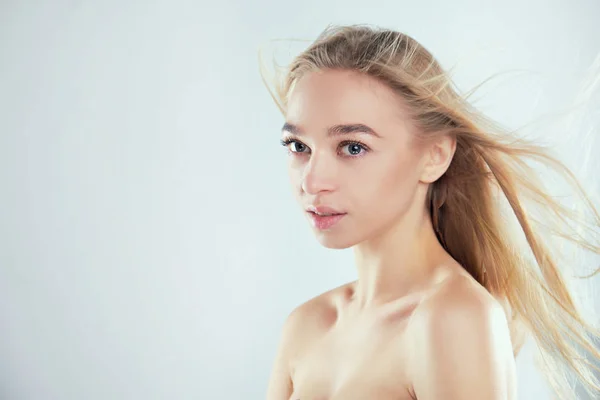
[[387, 158]]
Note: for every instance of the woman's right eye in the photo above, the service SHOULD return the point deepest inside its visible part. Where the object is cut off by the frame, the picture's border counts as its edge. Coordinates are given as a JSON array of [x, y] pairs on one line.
[[294, 146], [299, 147]]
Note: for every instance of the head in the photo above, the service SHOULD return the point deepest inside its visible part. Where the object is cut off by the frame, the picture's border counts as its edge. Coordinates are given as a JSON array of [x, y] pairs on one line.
[[376, 130], [426, 153], [354, 147], [422, 142]]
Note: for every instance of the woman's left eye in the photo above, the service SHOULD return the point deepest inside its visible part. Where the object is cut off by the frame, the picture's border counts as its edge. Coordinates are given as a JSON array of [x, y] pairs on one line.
[[354, 148]]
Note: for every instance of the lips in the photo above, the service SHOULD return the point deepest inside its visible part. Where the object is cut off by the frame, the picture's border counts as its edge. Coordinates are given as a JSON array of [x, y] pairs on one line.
[[323, 222], [324, 211], [324, 217], [321, 214]]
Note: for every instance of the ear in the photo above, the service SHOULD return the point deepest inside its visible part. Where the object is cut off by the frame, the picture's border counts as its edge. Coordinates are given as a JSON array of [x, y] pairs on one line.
[[438, 157]]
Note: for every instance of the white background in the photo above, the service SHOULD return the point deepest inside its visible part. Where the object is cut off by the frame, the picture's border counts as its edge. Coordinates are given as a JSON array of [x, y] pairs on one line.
[[150, 247]]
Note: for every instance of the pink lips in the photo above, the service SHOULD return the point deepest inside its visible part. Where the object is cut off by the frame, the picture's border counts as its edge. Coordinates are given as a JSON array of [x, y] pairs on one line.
[[323, 222]]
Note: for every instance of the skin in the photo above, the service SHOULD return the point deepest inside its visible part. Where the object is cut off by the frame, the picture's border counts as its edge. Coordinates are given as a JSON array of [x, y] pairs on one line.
[[414, 325]]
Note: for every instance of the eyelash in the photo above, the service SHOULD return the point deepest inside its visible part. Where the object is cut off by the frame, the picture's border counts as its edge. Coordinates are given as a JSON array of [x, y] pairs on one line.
[[287, 141]]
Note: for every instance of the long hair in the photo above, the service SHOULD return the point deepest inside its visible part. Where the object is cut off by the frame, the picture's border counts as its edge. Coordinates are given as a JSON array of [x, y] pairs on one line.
[[489, 168]]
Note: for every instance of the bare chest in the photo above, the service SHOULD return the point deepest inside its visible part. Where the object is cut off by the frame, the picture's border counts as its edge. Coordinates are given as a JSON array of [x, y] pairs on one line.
[[359, 361]]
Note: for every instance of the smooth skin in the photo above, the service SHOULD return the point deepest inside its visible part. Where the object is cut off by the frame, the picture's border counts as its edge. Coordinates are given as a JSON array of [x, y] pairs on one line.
[[415, 324]]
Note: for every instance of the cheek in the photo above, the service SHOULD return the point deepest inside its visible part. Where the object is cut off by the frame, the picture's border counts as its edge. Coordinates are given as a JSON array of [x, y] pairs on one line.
[[390, 189], [295, 178], [294, 174], [401, 176]]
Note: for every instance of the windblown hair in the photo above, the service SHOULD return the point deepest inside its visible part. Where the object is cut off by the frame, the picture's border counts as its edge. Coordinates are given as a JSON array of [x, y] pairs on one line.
[[490, 166]]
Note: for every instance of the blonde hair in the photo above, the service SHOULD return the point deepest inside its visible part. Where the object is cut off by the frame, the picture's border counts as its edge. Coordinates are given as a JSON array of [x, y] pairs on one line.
[[465, 205]]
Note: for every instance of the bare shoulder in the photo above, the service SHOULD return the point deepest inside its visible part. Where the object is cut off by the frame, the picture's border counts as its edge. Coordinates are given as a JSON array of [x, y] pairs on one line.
[[302, 326], [314, 316], [462, 346], [460, 312], [459, 299]]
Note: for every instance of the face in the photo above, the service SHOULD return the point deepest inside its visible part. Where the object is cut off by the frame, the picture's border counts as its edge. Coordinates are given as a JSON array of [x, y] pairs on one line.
[[352, 150]]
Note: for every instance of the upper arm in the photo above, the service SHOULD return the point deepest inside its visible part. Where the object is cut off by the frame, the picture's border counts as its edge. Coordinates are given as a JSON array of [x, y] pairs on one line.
[[464, 350], [280, 382], [299, 330]]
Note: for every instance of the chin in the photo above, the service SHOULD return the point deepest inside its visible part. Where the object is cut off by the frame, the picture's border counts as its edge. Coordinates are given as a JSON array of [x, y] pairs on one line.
[[332, 241]]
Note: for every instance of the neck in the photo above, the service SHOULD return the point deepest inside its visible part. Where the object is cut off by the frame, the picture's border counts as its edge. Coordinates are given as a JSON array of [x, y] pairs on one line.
[[398, 261]]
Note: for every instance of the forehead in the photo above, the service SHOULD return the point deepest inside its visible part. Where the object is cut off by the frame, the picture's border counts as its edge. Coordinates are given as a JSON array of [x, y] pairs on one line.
[[334, 96]]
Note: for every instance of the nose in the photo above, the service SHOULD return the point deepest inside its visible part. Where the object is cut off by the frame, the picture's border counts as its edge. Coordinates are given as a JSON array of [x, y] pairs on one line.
[[318, 175]]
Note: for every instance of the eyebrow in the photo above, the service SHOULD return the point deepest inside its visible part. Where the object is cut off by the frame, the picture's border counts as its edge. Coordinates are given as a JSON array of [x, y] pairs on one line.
[[335, 130]]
